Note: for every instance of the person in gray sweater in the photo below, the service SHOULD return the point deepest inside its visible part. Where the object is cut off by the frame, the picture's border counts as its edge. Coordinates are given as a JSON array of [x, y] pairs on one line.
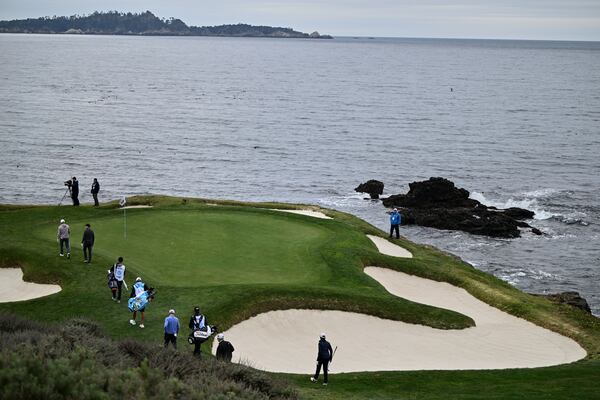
[[63, 237], [87, 243]]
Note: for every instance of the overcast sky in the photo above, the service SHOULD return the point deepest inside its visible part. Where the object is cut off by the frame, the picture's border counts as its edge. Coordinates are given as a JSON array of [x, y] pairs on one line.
[[507, 19]]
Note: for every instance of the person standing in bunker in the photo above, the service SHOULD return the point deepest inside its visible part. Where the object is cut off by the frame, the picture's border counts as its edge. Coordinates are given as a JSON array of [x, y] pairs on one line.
[[324, 357]]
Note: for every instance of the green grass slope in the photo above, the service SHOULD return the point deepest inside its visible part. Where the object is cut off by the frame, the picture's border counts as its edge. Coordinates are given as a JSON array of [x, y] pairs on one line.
[[236, 260]]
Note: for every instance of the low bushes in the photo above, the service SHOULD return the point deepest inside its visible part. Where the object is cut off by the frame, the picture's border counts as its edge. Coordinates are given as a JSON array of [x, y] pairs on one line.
[[76, 360]]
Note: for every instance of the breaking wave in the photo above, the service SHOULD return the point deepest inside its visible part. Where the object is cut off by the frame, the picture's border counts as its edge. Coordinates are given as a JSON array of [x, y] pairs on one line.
[[528, 202]]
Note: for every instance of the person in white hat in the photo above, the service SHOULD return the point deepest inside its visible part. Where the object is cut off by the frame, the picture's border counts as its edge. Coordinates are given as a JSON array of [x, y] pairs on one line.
[[395, 221], [171, 329], [324, 357], [63, 237], [137, 289], [224, 349]]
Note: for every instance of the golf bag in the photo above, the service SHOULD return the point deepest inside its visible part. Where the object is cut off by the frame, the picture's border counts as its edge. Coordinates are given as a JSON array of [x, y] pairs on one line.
[[201, 335], [140, 302]]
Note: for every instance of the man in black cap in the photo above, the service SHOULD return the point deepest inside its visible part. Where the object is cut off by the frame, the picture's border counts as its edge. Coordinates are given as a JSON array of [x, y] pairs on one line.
[[197, 321]]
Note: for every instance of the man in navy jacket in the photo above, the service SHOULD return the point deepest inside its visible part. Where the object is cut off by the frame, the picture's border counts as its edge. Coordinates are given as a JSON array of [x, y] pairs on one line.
[[324, 357]]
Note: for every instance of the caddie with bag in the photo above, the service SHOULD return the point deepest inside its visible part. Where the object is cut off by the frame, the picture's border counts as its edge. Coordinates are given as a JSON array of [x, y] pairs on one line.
[[201, 331], [112, 283], [141, 295]]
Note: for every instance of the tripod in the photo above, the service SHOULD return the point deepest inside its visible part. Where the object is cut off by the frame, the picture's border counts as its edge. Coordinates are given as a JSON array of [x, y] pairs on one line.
[[64, 195]]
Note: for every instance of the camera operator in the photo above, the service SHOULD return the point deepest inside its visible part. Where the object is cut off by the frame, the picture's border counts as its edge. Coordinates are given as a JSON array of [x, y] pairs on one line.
[[73, 185]]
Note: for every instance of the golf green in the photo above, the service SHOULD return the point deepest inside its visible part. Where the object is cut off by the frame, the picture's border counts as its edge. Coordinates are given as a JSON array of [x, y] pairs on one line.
[[209, 247]]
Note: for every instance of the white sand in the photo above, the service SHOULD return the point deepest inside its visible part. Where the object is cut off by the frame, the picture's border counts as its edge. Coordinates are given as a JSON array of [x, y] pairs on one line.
[[13, 288], [389, 248], [286, 341], [139, 206], [309, 213]]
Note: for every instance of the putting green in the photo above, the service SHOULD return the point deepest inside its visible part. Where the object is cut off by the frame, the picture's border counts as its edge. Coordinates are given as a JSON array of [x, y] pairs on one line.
[[201, 248]]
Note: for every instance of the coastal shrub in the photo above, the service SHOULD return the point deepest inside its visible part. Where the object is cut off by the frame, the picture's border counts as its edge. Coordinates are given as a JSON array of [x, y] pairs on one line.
[[78, 361]]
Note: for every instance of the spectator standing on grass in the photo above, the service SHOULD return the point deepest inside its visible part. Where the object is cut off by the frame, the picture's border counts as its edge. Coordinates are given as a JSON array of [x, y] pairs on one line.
[[171, 329], [324, 357], [95, 190], [75, 191], [224, 349], [87, 242], [63, 237], [119, 270], [395, 220]]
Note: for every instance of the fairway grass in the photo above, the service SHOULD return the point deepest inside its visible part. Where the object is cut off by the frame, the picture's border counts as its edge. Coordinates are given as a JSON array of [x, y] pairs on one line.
[[237, 260]]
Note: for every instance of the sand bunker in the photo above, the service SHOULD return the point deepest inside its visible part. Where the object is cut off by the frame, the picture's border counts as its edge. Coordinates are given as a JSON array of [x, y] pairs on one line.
[[310, 213], [138, 206], [286, 341], [388, 248], [13, 288]]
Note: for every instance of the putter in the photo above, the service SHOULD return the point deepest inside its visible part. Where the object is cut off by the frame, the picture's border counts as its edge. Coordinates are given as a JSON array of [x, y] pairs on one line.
[[334, 350]]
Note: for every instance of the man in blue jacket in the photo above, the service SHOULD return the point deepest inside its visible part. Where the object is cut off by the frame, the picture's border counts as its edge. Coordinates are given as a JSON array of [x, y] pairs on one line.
[[324, 357], [171, 329], [395, 220]]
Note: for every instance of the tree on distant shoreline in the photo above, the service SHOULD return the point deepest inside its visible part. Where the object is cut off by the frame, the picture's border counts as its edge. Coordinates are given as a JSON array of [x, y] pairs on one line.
[[145, 23]]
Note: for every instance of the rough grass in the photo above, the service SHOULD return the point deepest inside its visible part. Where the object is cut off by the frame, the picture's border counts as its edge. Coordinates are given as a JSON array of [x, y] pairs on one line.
[[77, 360]]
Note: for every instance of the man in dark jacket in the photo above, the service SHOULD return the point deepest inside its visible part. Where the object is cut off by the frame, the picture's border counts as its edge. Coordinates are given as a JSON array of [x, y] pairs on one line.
[[197, 321], [95, 190], [87, 243], [324, 357], [75, 191], [224, 349]]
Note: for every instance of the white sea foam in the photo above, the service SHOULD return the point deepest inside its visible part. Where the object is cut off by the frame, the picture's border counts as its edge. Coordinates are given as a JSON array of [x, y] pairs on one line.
[[526, 203], [351, 199]]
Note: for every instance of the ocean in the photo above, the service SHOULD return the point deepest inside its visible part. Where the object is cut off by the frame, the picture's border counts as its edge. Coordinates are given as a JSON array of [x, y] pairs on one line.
[[517, 123]]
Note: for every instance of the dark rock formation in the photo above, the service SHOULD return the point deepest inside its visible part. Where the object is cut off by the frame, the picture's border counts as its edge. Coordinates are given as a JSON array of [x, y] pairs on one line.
[[373, 187], [570, 298], [437, 203], [519, 213]]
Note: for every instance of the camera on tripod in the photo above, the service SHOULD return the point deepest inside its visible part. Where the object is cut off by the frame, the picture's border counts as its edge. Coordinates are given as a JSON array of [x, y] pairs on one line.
[[68, 183]]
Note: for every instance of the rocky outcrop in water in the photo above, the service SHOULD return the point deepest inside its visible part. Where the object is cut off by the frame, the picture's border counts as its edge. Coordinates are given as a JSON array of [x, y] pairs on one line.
[[571, 298], [373, 187], [438, 203]]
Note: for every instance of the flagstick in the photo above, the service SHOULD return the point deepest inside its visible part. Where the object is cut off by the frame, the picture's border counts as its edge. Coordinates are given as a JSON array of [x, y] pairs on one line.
[[125, 223]]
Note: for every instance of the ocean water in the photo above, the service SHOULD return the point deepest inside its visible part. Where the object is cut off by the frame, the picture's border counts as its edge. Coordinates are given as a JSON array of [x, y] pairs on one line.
[[517, 123]]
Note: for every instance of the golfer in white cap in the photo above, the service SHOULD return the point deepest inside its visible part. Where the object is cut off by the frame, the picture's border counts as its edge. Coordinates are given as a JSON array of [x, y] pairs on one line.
[[224, 349], [63, 237], [324, 357], [395, 221], [171, 328]]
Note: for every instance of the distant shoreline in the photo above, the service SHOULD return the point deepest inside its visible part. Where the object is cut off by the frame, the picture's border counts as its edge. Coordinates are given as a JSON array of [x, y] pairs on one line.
[[143, 24]]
